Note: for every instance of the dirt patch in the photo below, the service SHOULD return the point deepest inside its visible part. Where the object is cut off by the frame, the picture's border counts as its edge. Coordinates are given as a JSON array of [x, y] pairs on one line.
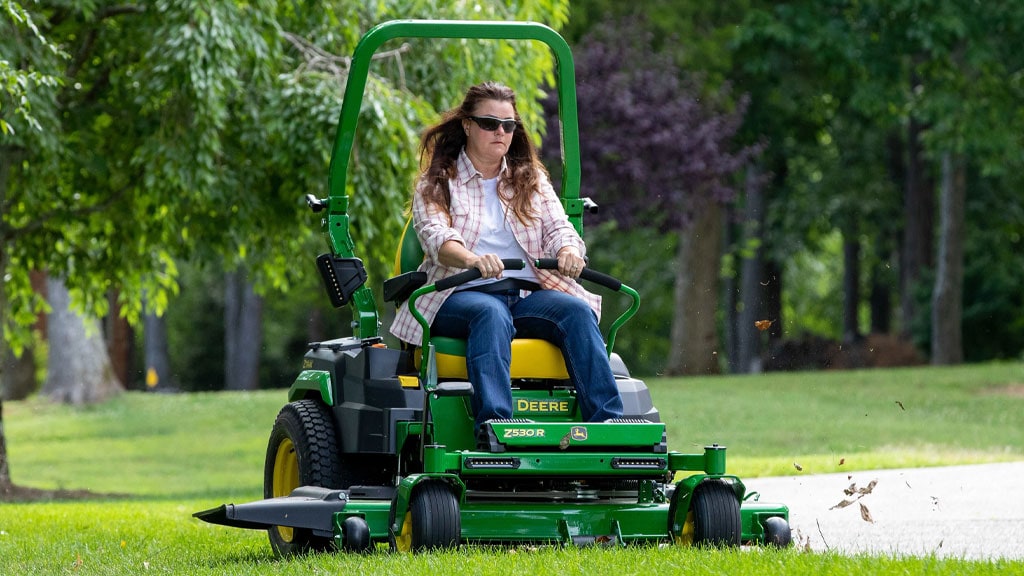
[[15, 493], [1015, 390]]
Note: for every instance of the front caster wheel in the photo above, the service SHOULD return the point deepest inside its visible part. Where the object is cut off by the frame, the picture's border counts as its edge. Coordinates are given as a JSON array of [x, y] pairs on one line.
[[777, 532], [716, 515], [433, 521], [356, 534]]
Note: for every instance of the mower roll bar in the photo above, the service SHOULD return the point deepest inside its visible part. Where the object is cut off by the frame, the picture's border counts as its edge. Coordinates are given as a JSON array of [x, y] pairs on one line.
[[474, 29], [335, 219]]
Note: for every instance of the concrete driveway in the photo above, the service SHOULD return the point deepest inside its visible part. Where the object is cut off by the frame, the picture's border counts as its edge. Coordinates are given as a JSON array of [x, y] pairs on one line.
[[972, 512]]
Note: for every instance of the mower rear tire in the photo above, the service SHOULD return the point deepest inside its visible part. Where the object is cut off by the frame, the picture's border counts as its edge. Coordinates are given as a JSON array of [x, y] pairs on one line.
[[716, 515], [433, 521], [303, 451]]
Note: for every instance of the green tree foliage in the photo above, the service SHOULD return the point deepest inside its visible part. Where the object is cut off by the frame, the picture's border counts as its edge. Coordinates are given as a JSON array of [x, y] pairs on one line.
[[697, 34], [191, 129], [24, 88], [138, 134], [833, 83], [836, 90]]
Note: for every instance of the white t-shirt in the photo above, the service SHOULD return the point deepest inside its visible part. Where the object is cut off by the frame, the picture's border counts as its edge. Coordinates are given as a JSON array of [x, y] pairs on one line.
[[496, 237]]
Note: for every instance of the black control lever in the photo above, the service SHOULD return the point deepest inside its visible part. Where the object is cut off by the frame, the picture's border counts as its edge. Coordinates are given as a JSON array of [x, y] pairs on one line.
[[316, 204]]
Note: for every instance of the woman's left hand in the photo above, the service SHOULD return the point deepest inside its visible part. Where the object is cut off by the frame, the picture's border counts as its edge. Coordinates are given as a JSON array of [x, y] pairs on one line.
[[570, 263]]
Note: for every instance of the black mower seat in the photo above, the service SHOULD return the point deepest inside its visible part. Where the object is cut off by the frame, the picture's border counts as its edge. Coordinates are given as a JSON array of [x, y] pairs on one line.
[[532, 358]]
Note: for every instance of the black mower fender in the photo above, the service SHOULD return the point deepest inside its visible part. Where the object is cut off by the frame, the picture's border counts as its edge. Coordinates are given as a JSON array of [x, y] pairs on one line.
[[312, 384], [406, 488]]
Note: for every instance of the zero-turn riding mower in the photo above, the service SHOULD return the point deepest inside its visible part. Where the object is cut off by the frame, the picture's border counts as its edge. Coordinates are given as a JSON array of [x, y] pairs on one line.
[[376, 444]]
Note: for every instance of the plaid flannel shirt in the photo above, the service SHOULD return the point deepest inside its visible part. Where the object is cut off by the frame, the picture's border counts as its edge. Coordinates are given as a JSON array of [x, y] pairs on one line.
[[548, 233]]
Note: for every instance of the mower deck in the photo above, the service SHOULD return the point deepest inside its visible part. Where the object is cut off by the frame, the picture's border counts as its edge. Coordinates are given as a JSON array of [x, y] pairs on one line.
[[583, 497]]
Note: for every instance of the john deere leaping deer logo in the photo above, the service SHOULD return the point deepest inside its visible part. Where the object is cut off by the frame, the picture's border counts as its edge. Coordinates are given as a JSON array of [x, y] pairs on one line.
[[579, 433]]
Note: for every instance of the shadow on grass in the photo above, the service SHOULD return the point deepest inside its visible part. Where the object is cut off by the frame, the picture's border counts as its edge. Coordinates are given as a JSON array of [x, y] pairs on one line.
[[13, 493], [17, 494]]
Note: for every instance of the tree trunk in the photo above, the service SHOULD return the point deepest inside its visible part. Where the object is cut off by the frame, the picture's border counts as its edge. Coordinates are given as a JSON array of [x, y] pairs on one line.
[[918, 224], [316, 327], [694, 348], [158, 360], [730, 299], [880, 300], [751, 297], [947, 297], [851, 286], [6, 163], [17, 373], [243, 313], [771, 303], [5, 473], [78, 367], [882, 284], [120, 340]]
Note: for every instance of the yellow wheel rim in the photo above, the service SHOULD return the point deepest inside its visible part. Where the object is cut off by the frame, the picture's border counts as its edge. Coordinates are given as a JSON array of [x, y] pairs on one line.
[[403, 540], [685, 537], [285, 479]]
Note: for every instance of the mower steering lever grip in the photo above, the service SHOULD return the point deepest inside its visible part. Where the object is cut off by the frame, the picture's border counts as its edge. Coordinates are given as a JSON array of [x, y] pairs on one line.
[[316, 204], [473, 274], [594, 276]]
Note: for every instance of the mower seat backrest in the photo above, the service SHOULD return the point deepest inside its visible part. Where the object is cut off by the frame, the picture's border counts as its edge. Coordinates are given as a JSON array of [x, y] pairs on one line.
[[531, 357]]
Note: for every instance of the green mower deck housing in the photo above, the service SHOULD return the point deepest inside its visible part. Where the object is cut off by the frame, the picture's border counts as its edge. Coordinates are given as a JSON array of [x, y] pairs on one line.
[[376, 445]]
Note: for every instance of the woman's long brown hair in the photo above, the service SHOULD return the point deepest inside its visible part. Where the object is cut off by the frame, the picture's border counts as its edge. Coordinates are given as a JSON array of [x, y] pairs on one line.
[[442, 143]]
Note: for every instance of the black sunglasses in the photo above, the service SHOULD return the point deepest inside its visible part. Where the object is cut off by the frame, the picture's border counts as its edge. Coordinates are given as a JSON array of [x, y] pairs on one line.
[[490, 123]]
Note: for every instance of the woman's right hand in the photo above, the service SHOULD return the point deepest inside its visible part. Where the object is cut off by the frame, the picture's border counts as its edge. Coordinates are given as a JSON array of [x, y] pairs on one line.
[[455, 255], [489, 265]]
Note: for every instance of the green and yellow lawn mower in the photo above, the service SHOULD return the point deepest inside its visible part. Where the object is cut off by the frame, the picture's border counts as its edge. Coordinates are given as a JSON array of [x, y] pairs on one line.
[[376, 445]]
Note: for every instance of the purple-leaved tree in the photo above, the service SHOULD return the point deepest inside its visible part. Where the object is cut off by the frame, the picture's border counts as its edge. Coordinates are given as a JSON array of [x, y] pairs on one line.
[[656, 151]]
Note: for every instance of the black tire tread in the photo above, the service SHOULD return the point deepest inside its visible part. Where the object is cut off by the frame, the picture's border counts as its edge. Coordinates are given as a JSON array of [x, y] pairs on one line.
[[320, 446], [308, 424], [436, 520], [716, 515]]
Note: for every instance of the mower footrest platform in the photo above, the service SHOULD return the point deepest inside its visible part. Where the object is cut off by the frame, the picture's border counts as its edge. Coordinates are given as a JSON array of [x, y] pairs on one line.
[[629, 435]]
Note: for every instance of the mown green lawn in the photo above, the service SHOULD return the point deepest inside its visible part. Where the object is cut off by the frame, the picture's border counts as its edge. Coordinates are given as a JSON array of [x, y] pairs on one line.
[[172, 455], [854, 420], [158, 537]]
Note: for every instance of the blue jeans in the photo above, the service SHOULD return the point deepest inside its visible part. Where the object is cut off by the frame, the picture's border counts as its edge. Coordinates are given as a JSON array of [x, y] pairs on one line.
[[489, 321]]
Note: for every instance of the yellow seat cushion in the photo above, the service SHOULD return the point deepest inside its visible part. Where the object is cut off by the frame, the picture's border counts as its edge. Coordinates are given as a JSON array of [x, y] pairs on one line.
[[531, 358]]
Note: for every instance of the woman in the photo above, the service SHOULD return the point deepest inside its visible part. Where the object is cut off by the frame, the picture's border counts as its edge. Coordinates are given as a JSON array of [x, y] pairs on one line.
[[484, 196]]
